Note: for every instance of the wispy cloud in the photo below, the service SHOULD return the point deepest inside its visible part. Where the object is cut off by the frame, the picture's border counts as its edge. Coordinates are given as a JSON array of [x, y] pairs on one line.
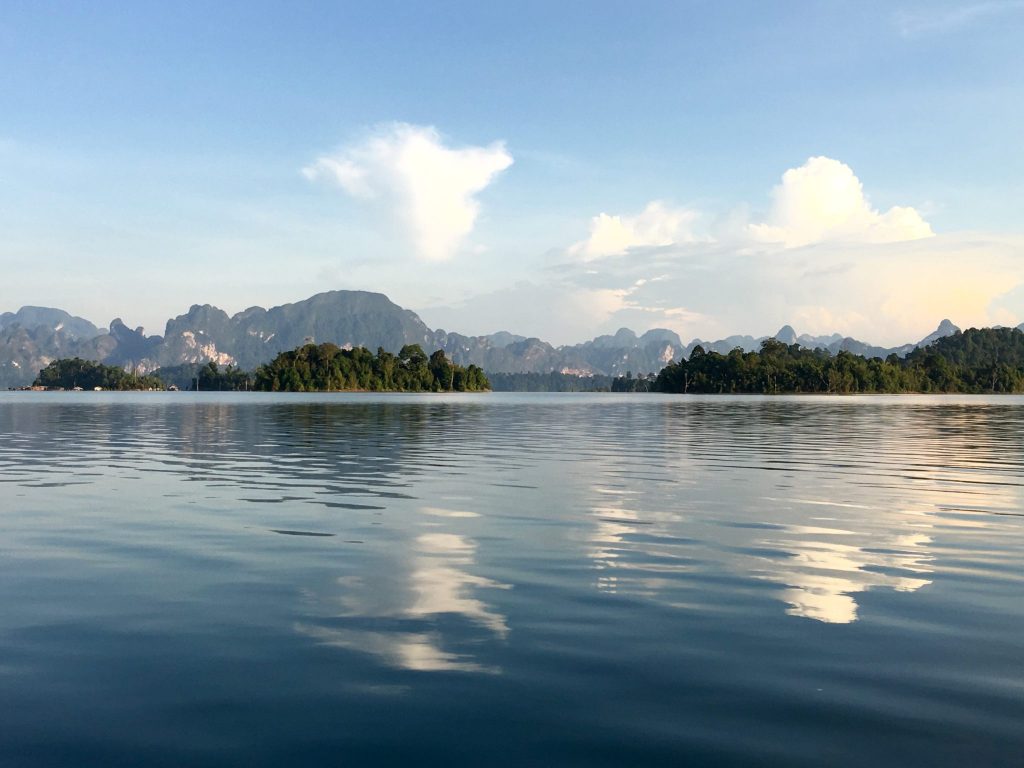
[[933, 20], [431, 187]]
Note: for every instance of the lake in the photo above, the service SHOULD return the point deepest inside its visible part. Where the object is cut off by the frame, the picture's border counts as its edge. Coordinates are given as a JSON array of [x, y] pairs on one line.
[[268, 580]]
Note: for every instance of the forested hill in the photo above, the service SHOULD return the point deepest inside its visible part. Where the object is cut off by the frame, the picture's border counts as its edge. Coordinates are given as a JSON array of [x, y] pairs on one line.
[[989, 360], [328, 367], [75, 373]]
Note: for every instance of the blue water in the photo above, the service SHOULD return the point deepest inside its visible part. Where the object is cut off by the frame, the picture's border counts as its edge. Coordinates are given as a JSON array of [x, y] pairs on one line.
[[510, 580]]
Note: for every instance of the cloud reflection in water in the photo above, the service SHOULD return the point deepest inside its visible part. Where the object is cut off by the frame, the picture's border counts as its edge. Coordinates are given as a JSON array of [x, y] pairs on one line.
[[437, 586]]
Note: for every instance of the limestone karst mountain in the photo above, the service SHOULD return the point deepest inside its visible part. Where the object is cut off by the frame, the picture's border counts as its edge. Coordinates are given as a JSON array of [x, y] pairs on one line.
[[33, 336]]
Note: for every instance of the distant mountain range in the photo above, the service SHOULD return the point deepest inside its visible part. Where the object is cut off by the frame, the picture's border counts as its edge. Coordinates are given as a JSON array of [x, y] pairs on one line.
[[33, 336]]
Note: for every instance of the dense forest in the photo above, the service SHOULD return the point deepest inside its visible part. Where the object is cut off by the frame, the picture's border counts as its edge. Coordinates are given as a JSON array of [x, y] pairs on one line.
[[644, 382], [208, 377], [328, 367], [74, 373], [549, 382], [990, 360], [975, 361]]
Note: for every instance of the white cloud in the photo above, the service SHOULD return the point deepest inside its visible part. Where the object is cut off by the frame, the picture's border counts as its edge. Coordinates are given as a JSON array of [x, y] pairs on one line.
[[655, 225], [823, 260], [883, 293], [430, 186], [824, 201], [821, 201], [566, 308]]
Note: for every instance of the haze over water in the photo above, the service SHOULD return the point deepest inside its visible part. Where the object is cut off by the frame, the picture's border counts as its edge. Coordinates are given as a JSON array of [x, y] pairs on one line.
[[510, 579]]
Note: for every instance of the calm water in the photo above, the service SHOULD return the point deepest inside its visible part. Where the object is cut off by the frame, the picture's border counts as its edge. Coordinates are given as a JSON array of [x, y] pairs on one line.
[[510, 579]]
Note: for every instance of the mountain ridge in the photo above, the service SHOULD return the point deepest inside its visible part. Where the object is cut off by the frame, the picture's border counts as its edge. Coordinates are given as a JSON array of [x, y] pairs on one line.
[[33, 336]]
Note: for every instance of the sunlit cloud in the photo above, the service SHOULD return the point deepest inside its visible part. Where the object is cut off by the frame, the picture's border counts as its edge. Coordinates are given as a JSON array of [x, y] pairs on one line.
[[409, 170], [821, 258], [657, 224], [438, 583], [819, 201], [824, 201], [884, 293]]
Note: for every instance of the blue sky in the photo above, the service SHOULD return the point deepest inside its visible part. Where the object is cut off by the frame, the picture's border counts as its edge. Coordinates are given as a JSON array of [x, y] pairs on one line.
[[155, 155]]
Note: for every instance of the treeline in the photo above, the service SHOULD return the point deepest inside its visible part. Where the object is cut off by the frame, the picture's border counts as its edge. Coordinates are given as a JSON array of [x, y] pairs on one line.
[[310, 368], [207, 377], [549, 382], [989, 360], [75, 372], [644, 382], [328, 367]]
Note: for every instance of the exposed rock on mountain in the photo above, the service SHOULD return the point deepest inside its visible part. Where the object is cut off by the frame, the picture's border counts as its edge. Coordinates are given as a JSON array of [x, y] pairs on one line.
[[256, 335]]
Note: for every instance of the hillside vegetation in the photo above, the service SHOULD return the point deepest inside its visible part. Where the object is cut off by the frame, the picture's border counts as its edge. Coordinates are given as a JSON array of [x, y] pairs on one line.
[[76, 372], [990, 360], [328, 367]]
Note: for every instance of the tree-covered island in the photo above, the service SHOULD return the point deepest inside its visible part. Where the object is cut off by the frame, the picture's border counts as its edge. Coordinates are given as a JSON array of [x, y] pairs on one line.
[[328, 367], [76, 373], [989, 360], [310, 368]]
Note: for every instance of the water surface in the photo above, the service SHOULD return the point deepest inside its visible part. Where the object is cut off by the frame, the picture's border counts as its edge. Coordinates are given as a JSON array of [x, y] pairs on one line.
[[510, 579]]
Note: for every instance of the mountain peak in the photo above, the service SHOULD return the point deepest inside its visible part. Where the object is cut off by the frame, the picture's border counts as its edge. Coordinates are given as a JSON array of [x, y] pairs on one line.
[[946, 328], [661, 336], [52, 319], [786, 335]]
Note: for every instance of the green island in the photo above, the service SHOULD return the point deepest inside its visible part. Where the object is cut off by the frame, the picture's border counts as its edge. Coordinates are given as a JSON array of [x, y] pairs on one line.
[[309, 368], [76, 373], [328, 367], [976, 361]]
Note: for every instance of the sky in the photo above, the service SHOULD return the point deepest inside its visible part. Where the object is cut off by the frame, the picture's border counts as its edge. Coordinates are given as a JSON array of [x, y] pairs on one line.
[[553, 169]]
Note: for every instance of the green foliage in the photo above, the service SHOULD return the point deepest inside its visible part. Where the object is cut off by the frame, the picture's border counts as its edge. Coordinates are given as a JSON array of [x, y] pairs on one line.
[[328, 367], [75, 372], [549, 382], [975, 361], [642, 383], [210, 378]]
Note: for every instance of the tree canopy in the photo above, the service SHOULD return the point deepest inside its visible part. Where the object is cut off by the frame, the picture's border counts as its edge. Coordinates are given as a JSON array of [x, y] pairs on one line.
[[76, 372], [328, 367], [989, 360]]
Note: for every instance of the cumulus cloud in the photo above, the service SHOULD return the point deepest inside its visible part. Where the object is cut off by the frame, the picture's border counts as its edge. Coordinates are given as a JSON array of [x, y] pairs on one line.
[[431, 187], [656, 225], [822, 259], [824, 201], [820, 201], [884, 293]]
